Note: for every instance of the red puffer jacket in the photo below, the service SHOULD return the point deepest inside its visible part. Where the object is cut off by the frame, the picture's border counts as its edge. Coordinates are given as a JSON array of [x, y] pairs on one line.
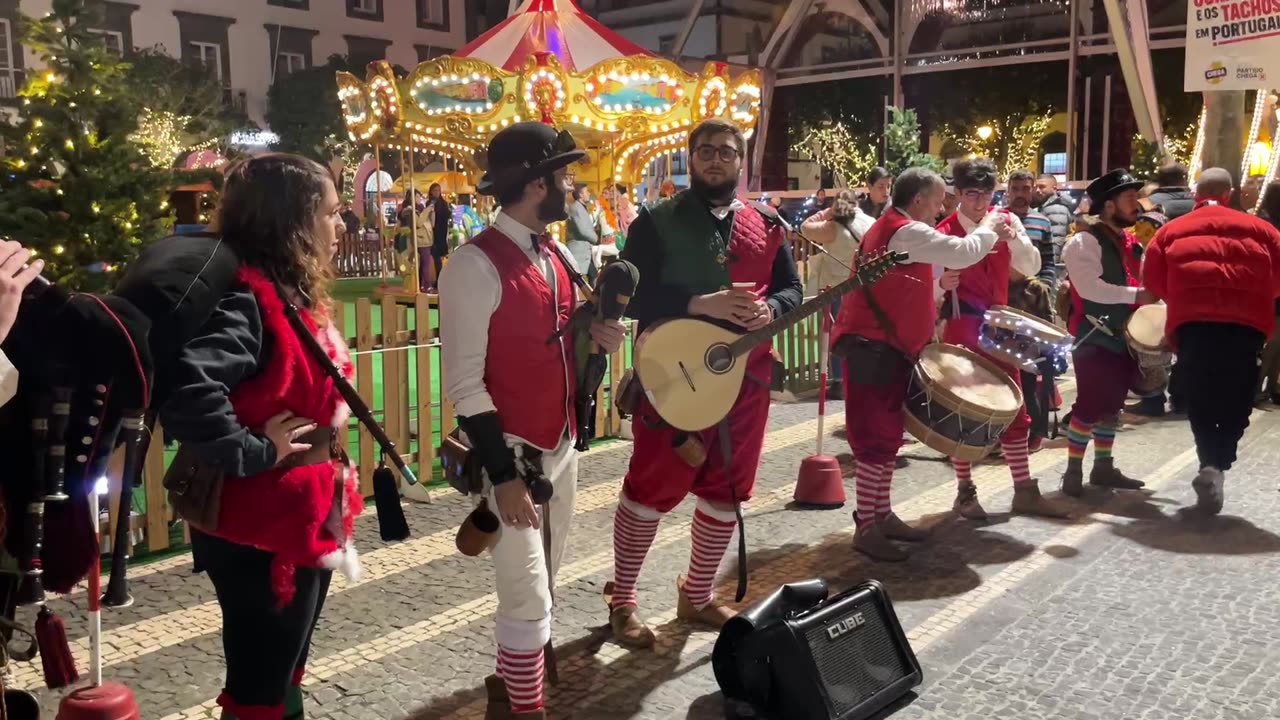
[[1215, 264]]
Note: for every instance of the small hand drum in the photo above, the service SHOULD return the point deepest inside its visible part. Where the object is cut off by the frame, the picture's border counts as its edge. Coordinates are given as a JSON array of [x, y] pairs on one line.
[[1023, 340]]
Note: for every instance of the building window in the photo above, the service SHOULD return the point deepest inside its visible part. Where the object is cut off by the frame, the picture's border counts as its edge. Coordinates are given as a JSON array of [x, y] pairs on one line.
[[365, 9], [295, 4], [288, 63], [114, 41], [209, 55], [433, 14], [665, 44], [1055, 163], [8, 73]]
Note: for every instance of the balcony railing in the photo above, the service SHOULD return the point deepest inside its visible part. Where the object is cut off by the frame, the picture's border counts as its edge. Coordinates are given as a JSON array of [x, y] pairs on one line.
[[235, 99], [10, 83]]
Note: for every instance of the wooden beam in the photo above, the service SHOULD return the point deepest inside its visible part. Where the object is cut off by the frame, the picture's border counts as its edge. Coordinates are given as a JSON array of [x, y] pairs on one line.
[[690, 20]]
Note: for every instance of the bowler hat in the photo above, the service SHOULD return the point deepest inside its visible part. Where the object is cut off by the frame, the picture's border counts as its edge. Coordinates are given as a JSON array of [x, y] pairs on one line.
[[523, 152], [1108, 186]]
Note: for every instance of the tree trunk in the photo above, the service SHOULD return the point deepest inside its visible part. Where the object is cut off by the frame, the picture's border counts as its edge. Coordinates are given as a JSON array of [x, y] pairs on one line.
[[1225, 125]]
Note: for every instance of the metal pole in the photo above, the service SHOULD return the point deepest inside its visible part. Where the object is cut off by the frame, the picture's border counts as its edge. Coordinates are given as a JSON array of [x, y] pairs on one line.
[[1088, 123], [677, 49], [415, 259], [1106, 123], [898, 55], [382, 215], [1072, 65]]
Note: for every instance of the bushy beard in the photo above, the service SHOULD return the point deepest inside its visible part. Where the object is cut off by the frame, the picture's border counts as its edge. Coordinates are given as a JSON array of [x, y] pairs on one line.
[[721, 191], [553, 207]]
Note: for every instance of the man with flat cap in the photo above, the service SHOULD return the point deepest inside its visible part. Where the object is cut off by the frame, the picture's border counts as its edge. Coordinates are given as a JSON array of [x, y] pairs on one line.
[[502, 296], [1104, 262]]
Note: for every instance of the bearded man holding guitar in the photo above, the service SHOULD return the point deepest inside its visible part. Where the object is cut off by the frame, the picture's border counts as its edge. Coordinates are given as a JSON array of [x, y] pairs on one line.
[[705, 253]]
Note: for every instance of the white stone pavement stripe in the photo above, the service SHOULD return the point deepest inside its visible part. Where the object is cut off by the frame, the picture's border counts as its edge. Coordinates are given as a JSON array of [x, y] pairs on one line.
[[135, 640], [936, 499], [483, 607]]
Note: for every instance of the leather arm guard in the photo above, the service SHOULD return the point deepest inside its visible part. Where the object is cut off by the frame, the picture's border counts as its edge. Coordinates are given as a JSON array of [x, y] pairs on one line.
[[485, 433]]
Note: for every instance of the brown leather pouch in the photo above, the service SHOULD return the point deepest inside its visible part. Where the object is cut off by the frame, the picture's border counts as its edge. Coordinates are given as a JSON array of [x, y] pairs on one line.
[[195, 489], [462, 468], [629, 391]]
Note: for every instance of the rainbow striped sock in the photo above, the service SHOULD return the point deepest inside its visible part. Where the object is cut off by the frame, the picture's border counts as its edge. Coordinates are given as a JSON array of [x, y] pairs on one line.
[[1078, 438], [1104, 437]]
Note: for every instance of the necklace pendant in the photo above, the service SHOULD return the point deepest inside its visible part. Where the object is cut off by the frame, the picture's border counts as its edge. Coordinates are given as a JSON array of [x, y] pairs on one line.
[[721, 258]]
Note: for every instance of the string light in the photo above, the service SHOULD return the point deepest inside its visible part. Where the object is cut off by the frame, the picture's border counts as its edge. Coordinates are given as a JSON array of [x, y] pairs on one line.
[[1259, 109], [162, 138]]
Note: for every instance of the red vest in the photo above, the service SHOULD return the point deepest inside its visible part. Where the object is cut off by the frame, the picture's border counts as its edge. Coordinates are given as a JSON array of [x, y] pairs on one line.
[[753, 245], [905, 295], [986, 282], [530, 380], [304, 515]]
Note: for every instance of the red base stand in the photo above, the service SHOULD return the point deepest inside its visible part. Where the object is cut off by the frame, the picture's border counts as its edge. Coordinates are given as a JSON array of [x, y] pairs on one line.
[[820, 484], [108, 701]]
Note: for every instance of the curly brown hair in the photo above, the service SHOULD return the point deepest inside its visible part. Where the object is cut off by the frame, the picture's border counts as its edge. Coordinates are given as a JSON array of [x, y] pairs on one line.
[[845, 205], [268, 209]]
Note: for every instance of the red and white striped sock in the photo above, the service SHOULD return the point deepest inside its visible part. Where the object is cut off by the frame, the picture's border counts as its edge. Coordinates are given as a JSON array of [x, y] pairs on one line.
[[964, 471], [711, 536], [883, 508], [866, 478], [1015, 453], [522, 670], [632, 538]]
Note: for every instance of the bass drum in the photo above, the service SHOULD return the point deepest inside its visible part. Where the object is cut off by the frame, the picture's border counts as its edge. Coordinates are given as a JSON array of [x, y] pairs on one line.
[[958, 402]]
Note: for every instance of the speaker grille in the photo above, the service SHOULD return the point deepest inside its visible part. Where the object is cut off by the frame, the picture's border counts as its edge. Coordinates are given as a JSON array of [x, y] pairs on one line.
[[858, 663]]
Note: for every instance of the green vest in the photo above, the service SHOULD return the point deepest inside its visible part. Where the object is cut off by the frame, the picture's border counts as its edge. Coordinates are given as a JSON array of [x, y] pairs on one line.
[[695, 250], [1116, 316]]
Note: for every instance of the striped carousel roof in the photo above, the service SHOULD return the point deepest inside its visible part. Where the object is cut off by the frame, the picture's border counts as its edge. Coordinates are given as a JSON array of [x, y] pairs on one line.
[[558, 27]]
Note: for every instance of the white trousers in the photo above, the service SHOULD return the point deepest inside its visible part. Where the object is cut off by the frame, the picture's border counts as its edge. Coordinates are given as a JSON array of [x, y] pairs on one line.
[[524, 594]]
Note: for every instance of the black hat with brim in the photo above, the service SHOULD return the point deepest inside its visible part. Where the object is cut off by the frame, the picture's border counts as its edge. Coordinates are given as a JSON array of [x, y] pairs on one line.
[[1108, 186], [524, 152]]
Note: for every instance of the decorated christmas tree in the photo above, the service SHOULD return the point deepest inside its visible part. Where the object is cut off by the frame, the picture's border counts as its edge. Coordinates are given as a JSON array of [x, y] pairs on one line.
[[74, 187], [902, 143]]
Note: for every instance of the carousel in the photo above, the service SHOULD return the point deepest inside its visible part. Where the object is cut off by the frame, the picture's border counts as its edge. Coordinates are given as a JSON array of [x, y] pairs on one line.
[[552, 63]]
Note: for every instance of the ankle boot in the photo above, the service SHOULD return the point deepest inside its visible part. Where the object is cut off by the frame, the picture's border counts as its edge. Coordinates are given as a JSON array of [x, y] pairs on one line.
[[1105, 474], [869, 539], [1027, 500], [966, 504], [1073, 478]]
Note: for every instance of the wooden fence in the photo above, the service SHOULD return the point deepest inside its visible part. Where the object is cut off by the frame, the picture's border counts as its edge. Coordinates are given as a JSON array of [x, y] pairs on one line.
[[396, 352]]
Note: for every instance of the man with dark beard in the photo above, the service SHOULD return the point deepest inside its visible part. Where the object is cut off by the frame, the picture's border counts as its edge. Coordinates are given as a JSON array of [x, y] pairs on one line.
[[704, 254], [501, 296], [1104, 262]]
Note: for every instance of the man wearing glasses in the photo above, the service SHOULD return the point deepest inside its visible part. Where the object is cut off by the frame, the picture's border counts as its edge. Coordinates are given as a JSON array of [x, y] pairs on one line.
[[970, 293], [707, 254]]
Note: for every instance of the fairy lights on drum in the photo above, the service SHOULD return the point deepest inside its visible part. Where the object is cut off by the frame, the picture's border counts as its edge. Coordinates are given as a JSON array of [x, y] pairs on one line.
[[1023, 341]]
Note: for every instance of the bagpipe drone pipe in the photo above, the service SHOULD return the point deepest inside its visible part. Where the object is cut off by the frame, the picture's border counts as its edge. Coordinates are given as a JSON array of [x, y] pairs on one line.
[[84, 376]]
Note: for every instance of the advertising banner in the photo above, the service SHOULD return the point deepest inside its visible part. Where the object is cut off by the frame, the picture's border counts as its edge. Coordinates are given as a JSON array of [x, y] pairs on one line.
[[1232, 44]]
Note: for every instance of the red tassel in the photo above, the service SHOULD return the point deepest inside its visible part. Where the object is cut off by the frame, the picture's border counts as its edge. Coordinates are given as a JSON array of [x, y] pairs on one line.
[[55, 651]]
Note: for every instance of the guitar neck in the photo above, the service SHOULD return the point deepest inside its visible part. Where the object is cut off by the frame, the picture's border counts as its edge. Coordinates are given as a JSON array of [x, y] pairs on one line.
[[747, 342]]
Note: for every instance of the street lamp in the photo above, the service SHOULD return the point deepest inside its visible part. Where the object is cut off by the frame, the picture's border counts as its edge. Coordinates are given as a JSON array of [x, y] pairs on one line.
[[985, 132]]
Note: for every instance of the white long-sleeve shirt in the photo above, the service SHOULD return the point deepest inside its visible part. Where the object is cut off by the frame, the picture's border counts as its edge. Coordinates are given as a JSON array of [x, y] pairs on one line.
[[1083, 258], [1023, 255], [926, 244], [8, 380], [470, 291]]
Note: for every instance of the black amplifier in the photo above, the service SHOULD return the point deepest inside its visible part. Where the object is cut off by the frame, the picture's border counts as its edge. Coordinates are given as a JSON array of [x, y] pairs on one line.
[[799, 655]]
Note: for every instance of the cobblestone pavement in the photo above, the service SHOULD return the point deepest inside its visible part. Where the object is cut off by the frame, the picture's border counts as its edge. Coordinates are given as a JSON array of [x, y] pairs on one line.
[[1132, 610]]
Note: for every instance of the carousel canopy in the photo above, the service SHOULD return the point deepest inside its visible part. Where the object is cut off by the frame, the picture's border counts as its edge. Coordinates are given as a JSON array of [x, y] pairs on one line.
[[549, 62], [555, 27]]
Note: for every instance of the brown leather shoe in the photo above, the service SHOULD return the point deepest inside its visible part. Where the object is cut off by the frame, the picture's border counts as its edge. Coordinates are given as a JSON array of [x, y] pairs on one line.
[[628, 629], [869, 540], [1108, 475], [895, 529], [713, 615], [499, 705], [1027, 500], [1073, 482], [966, 504]]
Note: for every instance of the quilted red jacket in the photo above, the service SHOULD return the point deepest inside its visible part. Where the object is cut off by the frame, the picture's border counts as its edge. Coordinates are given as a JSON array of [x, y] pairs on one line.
[[1215, 264]]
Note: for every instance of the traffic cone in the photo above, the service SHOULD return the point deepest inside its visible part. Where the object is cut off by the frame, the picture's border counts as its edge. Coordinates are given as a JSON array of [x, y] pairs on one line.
[[821, 485]]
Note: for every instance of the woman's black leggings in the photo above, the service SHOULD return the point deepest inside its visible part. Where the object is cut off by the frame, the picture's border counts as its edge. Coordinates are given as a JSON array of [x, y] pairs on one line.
[[264, 646]]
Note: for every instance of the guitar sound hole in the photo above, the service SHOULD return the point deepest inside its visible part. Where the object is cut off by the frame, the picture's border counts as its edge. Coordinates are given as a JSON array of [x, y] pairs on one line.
[[719, 359]]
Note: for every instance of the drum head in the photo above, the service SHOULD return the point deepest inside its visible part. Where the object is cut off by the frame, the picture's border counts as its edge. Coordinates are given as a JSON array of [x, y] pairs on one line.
[[1027, 323], [968, 378], [1146, 327]]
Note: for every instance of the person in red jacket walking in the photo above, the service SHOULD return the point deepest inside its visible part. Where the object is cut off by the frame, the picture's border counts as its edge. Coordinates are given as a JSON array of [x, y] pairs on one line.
[[1218, 270], [970, 293]]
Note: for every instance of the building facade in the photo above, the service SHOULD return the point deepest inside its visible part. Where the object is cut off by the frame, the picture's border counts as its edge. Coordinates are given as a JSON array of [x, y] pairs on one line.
[[247, 44]]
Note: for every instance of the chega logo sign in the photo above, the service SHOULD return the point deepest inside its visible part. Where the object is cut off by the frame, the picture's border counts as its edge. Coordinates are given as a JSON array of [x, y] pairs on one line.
[[1215, 74], [847, 625]]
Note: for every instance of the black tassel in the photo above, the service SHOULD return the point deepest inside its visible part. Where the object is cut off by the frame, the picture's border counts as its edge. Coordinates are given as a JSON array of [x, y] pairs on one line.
[[392, 525]]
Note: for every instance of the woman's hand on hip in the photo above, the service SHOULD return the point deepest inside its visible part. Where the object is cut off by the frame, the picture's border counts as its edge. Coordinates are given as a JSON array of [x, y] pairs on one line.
[[283, 430]]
